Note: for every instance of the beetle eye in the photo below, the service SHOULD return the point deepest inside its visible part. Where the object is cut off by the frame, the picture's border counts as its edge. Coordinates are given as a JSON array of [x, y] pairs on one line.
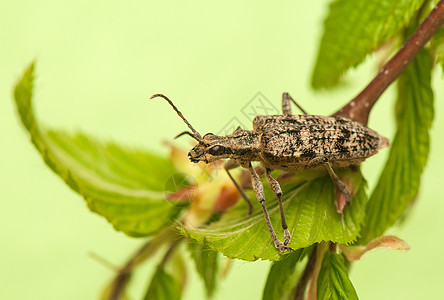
[[216, 150]]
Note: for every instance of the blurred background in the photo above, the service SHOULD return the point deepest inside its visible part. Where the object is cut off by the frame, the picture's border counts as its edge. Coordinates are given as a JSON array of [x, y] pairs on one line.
[[97, 64]]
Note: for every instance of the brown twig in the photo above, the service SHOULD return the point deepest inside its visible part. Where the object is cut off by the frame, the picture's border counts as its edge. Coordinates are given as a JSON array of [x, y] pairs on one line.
[[147, 250], [303, 281], [124, 273], [358, 109], [169, 252]]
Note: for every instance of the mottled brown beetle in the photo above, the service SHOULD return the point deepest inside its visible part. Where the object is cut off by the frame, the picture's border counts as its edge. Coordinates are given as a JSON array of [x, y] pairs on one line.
[[290, 143]]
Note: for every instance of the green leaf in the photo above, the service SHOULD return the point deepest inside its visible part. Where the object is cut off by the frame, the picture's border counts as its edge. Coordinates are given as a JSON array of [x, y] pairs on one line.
[[333, 281], [283, 276], [311, 218], [400, 180], [126, 186], [163, 286], [207, 264], [352, 30]]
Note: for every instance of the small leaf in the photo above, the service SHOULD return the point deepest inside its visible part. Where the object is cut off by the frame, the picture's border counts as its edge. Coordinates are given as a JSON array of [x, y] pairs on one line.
[[311, 218], [126, 186], [352, 30], [333, 281], [283, 276], [163, 286], [207, 264], [356, 252], [399, 183]]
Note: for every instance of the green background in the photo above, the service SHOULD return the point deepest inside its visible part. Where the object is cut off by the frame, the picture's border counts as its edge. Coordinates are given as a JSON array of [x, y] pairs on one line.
[[98, 62]]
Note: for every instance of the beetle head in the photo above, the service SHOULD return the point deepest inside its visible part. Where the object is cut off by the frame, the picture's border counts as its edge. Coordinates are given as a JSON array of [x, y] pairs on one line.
[[213, 148]]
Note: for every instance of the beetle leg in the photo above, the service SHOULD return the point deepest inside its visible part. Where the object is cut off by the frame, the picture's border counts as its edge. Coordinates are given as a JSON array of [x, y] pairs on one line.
[[259, 191], [286, 105], [231, 164], [276, 188], [339, 184]]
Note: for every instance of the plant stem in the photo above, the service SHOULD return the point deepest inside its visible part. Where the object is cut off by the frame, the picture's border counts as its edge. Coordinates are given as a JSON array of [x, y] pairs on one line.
[[320, 253], [124, 273], [170, 251], [303, 281], [358, 109], [146, 251]]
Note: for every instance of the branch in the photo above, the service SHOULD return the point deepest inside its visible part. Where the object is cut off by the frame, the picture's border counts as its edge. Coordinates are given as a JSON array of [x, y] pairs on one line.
[[124, 274], [146, 251], [359, 108], [303, 281]]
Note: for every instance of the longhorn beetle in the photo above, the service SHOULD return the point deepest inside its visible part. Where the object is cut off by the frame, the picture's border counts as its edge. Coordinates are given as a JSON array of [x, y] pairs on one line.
[[290, 143]]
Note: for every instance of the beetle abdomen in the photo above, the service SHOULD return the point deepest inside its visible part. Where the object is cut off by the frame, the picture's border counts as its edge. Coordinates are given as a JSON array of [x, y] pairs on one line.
[[298, 139]]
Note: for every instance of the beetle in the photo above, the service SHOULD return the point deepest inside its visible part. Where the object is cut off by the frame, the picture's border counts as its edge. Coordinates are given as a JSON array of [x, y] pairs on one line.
[[290, 143]]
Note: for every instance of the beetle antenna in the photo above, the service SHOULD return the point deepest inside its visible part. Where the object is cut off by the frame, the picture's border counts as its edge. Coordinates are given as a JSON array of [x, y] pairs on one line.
[[195, 134], [187, 133]]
